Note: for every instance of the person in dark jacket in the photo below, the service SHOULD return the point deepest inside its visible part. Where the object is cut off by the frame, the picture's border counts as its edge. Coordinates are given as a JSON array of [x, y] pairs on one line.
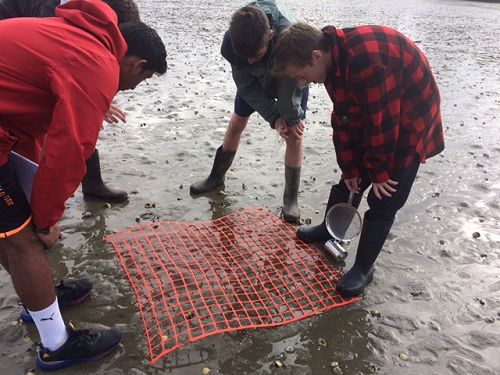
[[126, 10], [59, 89], [386, 122], [248, 46]]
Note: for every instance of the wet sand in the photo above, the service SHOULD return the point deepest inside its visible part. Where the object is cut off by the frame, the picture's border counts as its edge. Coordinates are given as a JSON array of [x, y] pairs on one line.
[[434, 304]]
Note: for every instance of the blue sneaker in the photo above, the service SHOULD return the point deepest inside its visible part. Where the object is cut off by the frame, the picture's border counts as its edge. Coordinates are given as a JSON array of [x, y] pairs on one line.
[[82, 346], [69, 294]]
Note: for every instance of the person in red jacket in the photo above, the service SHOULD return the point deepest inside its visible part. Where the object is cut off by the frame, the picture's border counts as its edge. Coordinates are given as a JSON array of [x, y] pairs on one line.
[[386, 122], [58, 77], [92, 184], [71, 292]]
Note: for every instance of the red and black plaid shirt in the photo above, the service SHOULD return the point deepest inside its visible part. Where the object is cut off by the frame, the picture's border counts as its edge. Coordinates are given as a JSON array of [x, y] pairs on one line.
[[386, 102]]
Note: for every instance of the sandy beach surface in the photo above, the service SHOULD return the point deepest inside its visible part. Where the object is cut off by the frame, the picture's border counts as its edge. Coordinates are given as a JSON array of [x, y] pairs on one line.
[[434, 304]]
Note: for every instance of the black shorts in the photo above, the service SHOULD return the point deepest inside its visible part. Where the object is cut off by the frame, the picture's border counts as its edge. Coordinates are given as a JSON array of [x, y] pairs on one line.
[[243, 109], [15, 211]]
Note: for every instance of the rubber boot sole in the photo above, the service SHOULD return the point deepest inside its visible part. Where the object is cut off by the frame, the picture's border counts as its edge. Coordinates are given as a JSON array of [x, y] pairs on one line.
[[292, 219], [199, 191]]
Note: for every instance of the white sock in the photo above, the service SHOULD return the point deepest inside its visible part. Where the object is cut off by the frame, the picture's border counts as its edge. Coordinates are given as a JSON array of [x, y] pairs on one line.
[[50, 325]]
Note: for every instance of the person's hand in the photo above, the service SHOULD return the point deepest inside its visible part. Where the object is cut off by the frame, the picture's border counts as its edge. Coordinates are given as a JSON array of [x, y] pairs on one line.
[[296, 131], [284, 131], [281, 127], [114, 115], [50, 238], [353, 184], [384, 188]]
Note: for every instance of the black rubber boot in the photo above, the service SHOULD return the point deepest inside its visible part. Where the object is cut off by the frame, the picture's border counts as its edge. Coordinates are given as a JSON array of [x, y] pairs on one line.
[[222, 162], [291, 211], [92, 184], [319, 233], [373, 236]]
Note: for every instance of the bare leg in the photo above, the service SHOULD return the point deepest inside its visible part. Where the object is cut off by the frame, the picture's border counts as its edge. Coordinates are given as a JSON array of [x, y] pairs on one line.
[[29, 269], [293, 153], [233, 133], [3, 259]]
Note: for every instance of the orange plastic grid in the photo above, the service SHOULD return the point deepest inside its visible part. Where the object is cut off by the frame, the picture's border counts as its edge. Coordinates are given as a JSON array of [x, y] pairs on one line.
[[244, 270]]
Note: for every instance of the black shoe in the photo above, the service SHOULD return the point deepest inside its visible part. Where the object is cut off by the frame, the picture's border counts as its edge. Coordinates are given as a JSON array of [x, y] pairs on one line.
[[70, 293], [355, 281], [82, 346]]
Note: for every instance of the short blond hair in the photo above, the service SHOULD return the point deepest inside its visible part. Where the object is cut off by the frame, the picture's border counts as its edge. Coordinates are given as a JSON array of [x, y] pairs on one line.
[[295, 46]]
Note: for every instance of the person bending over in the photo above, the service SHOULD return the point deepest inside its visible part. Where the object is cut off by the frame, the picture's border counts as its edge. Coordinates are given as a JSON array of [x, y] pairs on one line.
[[386, 122], [58, 77], [248, 46], [126, 10]]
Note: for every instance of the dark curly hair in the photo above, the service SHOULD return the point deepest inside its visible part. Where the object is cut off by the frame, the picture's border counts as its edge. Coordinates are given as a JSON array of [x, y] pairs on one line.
[[126, 10], [144, 42]]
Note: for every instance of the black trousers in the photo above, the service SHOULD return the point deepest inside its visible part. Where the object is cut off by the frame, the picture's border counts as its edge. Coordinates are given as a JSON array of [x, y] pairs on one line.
[[385, 209]]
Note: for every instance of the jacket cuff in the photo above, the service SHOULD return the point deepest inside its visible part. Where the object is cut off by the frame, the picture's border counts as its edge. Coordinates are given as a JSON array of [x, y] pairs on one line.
[[379, 177], [42, 223], [353, 173]]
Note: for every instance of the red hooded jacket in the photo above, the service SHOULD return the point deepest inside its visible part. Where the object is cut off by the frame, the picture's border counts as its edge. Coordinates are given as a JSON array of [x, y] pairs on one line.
[[58, 77]]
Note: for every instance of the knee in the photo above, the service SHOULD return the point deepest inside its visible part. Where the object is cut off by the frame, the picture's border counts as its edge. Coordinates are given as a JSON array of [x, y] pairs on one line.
[[294, 141], [21, 246], [237, 123], [380, 209]]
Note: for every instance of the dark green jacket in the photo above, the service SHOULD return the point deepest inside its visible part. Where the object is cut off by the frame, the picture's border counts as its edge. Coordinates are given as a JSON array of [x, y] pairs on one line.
[[272, 97]]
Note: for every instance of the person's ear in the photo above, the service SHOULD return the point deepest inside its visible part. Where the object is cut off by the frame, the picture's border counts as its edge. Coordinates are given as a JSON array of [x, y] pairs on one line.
[[138, 65], [132, 64], [271, 34], [317, 56]]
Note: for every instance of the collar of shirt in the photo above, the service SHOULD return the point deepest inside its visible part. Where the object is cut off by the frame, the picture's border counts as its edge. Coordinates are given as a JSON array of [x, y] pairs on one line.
[[336, 37], [335, 82]]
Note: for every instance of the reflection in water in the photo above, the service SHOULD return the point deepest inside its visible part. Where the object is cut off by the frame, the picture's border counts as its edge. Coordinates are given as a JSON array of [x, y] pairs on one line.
[[220, 204], [310, 347]]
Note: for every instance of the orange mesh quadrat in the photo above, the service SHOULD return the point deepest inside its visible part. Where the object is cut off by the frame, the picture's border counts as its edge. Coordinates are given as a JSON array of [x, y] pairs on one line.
[[244, 270]]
